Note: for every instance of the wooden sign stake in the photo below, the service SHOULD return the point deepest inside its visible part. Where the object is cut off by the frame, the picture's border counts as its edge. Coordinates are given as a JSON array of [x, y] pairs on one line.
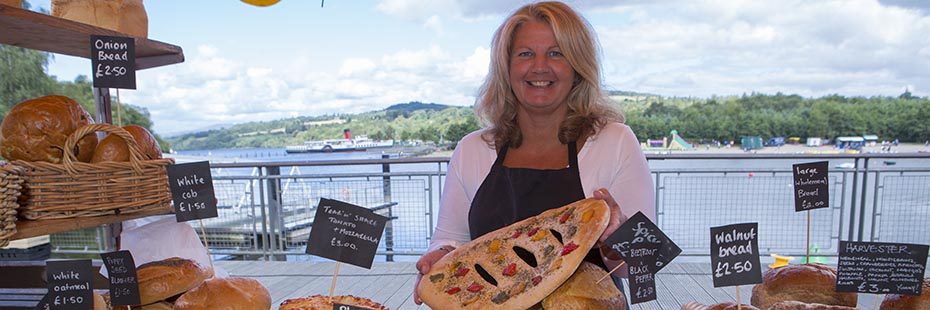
[[611, 271], [332, 288], [739, 301], [808, 259], [203, 234]]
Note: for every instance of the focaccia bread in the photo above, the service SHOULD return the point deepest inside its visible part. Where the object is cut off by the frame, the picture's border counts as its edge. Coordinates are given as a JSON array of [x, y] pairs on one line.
[[320, 302], [516, 266]]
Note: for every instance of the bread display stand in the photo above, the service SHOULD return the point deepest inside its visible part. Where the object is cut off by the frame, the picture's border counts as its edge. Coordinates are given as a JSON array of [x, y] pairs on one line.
[[27, 29]]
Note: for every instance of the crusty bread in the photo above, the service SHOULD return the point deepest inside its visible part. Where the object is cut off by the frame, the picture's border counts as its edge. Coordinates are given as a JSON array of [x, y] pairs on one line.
[[453, 282], [13, 3], [36, 130], [809, 283], [581, 291], [908, 302], [320, 302], [797, 305], [160, 280], [721, 306], [126, 16], [113, 148], [226, 293]]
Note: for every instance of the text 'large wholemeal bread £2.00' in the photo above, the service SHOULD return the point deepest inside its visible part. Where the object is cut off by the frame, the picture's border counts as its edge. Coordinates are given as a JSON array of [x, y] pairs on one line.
[[516, 266]]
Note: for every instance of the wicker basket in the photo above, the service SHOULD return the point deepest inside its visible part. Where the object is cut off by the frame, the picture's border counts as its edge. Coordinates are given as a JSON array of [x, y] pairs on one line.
[[10, 189], [78, 189]]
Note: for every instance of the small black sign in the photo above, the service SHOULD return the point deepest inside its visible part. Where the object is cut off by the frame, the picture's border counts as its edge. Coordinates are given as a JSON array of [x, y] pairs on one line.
[[124, 284], [642, 269], [192, 191], [811, 186], [734, 255], [346, 307], [346, 233], [881, 268], [114, 61], [69, 284], [639, 229]]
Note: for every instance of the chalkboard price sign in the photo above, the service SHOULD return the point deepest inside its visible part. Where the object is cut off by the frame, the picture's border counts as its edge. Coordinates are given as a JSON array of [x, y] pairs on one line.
[[637, 230], [641, 264], [811, 186], [192, 191], [734, 255], [124, 284], [114, 61], [69, 284], [881, 268], [345, 232]]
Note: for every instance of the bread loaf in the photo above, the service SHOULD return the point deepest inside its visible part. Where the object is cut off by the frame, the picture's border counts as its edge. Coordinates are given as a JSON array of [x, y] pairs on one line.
[[226, 293], [320, 302], [728, 305], [908, 302], [113, 148], [808, 283], [13, 3], [36, 130], [516, 266], [126, 16], [581, 291], [160, 280], [797, 305]]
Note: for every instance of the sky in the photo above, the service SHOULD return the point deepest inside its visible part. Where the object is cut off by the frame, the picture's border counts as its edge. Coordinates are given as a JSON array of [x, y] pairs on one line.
[[245, 63]]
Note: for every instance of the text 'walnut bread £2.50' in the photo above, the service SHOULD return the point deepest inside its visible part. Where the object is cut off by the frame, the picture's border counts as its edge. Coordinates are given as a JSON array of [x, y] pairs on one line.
[[516, 266]]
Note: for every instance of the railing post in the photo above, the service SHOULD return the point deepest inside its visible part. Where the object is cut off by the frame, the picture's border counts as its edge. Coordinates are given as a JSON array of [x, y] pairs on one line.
[[865, 184], [276, 219], [389, 226], [852, 202]]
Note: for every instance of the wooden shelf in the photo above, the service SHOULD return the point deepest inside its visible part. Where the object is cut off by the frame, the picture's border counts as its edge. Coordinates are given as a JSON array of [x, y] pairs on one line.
[[27, 229], [38, 31]]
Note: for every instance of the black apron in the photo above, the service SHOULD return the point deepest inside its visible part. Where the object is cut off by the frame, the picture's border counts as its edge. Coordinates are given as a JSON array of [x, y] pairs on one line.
[[509, 195]]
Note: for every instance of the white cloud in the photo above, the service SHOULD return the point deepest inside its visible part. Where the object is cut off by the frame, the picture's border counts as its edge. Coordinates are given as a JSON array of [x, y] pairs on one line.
[[686, 48], [190, 97]]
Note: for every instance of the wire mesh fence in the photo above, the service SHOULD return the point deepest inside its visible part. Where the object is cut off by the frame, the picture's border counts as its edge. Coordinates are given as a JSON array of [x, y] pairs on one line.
[[689, 204], [904, 209]]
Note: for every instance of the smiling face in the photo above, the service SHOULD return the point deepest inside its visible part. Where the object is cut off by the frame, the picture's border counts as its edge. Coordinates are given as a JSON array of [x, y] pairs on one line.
[[540, 75]]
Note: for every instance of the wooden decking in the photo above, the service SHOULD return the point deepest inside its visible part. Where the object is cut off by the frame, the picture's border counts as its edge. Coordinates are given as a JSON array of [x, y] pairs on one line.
[[392, 283]]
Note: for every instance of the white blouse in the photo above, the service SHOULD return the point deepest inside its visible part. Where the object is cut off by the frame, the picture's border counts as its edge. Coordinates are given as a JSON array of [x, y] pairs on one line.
[[612, 159]]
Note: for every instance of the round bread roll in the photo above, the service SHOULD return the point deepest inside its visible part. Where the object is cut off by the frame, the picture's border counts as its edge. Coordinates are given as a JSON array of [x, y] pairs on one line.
[[227, 293], [797, 305], [126, 16], [13, 3], [809, 283], [160, 280], [908, 302], [581, 291], [113, 148], [36, 130]]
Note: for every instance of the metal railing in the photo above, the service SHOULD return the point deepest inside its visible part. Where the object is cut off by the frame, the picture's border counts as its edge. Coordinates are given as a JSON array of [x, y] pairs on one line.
[[266, 213]]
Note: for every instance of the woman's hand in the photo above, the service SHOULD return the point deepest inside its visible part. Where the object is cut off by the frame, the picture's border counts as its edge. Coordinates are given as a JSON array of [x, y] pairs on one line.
[[425, 264], [616, 215]]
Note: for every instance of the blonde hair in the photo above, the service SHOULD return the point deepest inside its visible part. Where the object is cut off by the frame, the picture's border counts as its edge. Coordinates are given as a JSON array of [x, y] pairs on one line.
[[588, 107]]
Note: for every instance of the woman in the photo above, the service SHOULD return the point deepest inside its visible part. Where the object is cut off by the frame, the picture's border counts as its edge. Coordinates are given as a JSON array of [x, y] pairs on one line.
[[551, 137]]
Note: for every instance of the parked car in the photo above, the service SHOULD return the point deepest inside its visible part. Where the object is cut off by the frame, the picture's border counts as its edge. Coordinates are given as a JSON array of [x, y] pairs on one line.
[[775, 141]]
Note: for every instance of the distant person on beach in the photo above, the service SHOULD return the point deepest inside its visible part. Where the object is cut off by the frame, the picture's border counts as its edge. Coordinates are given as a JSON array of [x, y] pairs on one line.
[[550, 138]]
